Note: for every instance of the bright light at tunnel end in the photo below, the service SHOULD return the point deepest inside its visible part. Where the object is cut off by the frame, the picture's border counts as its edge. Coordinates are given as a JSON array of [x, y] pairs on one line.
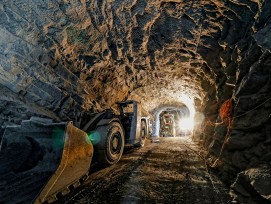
[[186, 124]]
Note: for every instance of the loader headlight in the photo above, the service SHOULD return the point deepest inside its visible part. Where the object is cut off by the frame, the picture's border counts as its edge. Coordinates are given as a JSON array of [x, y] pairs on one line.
[[94, 137], [57, 136]]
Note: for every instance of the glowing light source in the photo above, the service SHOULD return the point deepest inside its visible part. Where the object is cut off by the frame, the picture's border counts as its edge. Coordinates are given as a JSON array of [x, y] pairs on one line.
[[94, 137], [186, 124]]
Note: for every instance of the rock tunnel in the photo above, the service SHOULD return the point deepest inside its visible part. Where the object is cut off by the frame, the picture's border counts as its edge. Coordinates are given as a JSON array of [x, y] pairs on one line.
[[60, 58]]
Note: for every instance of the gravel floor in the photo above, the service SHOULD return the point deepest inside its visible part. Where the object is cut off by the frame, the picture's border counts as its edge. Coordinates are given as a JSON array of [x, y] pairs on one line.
[[165, 172]]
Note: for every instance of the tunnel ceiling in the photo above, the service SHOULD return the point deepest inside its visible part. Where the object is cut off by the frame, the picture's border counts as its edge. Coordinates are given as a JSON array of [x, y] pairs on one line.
[[61, 57], [65, 56]]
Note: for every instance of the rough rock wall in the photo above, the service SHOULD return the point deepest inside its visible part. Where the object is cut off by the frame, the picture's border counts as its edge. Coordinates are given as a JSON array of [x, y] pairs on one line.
[[60, 57], [248, 70], [35, 78], [246, 59]]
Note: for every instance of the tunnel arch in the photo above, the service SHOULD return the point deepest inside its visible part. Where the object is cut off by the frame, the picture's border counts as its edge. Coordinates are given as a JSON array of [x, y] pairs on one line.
[[164, 107], [59, 59]]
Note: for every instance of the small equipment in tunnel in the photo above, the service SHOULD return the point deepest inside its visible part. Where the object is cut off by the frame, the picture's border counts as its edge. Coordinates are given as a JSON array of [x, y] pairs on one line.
[[168, 125]]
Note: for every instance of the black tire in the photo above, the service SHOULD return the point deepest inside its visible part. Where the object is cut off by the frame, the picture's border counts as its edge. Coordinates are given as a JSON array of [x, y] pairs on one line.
[[143, 134], [110, 148]]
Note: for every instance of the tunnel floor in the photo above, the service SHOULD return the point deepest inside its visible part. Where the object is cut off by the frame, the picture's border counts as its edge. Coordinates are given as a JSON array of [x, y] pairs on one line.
[[165, 172]]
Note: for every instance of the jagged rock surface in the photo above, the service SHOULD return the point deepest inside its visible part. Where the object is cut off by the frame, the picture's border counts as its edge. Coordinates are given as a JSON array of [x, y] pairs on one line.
[[253, 186], [58, 58]]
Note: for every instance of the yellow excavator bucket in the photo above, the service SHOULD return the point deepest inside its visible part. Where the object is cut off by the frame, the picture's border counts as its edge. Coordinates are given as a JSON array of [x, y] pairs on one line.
[[75, 162], [52, 158]]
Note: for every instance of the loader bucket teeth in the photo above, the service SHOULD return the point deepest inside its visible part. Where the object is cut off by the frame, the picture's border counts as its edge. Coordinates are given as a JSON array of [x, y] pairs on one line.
[[84, 178], [53, 157], [51, 199], [76, 184], [65, 191]]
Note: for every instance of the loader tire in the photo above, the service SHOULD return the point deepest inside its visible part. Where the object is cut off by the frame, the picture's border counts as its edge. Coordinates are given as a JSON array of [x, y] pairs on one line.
[[143, 134], [110, 148]]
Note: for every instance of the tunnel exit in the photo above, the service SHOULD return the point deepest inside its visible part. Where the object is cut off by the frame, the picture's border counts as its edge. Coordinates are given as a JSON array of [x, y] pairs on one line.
[[176, 123], [175, 120]]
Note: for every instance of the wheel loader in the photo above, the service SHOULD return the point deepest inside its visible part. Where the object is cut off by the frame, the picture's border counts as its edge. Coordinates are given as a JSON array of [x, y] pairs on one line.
[[168, 125], [41, 160]]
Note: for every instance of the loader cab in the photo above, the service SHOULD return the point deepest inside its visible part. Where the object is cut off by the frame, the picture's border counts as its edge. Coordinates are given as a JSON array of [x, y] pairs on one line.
[[130, 116]]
